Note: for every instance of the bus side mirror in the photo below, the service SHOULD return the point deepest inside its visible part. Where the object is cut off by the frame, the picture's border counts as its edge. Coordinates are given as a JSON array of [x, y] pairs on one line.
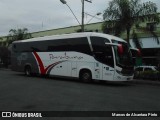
[[120, 49], [119, 46]]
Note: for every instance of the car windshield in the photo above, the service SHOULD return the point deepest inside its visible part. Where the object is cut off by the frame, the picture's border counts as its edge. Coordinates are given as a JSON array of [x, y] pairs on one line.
[[126, 58]]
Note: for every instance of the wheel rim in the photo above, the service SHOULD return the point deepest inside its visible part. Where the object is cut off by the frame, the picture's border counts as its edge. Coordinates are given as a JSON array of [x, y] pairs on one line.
[[86, 76]]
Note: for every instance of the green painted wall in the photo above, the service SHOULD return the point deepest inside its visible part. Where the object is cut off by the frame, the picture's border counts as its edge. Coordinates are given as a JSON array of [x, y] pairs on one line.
[[72, 29]]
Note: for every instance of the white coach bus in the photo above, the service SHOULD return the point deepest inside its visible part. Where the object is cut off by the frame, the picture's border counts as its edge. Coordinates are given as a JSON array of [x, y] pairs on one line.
[[86, 56]]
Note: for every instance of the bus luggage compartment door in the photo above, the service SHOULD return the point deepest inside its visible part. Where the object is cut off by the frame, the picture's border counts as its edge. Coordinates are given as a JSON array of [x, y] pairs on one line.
[[74, 69], [62, 69]]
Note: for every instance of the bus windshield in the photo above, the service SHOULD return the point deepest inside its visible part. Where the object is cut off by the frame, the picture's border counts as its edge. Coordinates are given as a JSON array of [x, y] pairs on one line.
[[125, 59]]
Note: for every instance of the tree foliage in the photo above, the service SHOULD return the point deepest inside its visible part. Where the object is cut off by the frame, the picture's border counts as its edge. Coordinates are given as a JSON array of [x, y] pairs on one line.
[[4, 55], [1, 43], [19, 34], [125, 13], [138, 44]]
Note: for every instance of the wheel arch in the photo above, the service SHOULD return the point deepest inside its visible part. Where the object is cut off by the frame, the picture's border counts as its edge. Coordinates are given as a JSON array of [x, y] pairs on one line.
[[27, 65], [85, 69]]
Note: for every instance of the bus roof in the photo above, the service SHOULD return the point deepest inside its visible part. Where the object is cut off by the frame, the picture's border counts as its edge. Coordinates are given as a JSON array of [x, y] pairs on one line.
[[72, 35]]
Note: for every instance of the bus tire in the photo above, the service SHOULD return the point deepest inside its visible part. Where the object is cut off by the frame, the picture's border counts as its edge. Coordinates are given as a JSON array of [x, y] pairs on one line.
[[86, 76], [28, 71]]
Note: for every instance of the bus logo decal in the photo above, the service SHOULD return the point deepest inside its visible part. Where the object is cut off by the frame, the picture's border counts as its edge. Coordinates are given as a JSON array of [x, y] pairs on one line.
[[52, 57], [41, 67]]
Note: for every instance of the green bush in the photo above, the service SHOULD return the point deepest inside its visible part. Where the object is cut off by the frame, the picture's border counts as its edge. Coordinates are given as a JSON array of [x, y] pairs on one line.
[[151, 75]]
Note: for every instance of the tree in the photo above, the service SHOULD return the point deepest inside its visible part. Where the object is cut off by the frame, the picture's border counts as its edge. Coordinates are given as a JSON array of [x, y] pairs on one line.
[[4, 55], [126, 13], [1, 41], [19, 34], [138, 44]]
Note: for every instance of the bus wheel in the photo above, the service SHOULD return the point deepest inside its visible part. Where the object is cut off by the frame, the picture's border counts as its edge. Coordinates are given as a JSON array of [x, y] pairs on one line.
[[27, 71], [85, 76]]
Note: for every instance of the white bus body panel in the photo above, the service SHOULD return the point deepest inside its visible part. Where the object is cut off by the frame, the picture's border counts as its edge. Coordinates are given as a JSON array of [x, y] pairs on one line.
[[71, 63], [118, 77]]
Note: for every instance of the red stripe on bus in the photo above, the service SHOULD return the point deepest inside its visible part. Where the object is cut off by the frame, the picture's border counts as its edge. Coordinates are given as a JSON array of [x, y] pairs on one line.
[[41, 66], [42, 69]]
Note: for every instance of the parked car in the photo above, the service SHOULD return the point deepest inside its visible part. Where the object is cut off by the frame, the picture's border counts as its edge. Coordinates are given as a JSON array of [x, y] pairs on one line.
[[146, 72], [146, 68]]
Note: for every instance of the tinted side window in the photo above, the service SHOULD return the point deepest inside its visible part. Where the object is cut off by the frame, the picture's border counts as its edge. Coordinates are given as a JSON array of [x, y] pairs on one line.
[[40, 46], [22, 47], [102, 52], [72, 44], [79, 45], [32, 46], [57, 45]]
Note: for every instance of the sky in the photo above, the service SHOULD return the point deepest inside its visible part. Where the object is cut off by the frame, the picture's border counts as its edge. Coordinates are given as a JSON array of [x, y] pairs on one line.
[[41, 15]]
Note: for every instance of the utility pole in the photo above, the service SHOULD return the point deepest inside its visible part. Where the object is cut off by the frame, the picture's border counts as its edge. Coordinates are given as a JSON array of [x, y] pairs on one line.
[[82, 27]]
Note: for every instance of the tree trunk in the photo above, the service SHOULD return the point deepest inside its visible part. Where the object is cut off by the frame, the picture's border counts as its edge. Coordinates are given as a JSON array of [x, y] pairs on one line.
[[128, 34]]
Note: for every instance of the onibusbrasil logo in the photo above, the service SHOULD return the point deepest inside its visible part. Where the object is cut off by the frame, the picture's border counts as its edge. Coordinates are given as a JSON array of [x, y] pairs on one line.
[[21, 114]]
